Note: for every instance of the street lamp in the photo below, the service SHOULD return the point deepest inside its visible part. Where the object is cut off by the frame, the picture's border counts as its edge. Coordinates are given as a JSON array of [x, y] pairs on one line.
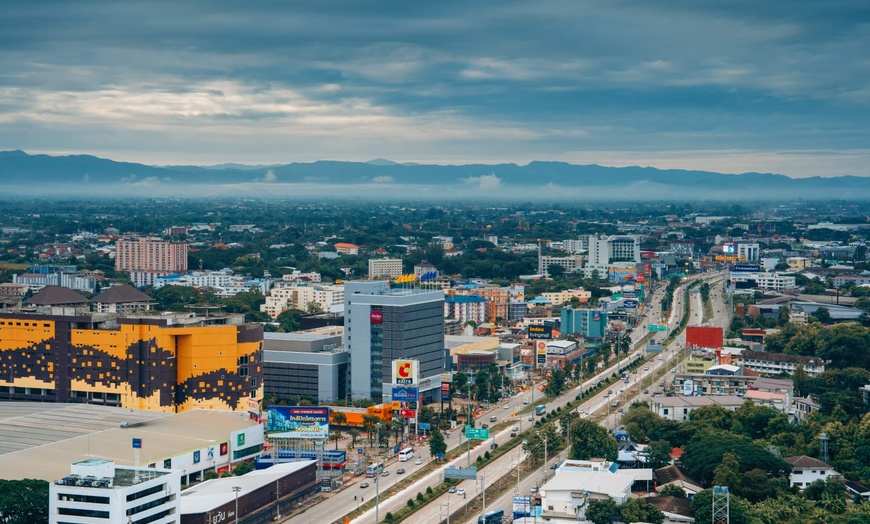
[[378, 473], [236, 490]]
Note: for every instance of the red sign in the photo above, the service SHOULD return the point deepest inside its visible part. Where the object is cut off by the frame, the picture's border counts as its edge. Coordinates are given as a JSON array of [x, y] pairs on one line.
[[407, 413], [376, 317]]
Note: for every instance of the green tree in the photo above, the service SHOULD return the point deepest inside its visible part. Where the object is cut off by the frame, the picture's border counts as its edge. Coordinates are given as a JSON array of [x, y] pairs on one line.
[[639, 510], [707, 449], [672, 490], [602, 511], [243, 468], [338, 419], [24, 501], [289, 320], [556, 384], [822, 314], [589, 440], [727, 473], [398, 427], [659, 453], [437, 445]]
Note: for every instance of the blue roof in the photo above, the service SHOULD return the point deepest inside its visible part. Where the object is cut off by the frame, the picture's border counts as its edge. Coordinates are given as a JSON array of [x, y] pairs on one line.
[[463, 299]]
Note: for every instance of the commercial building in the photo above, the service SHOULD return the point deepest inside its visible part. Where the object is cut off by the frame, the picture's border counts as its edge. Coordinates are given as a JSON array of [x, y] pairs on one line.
[[570, 264], [749, 252], [679, 408], [576, 483], [164, 362], [344, 248], [774, 281], [604, 252], [148, 258], [38, 277], [40, 440], [383, 324], [304, 297], [385, 268], [305, 364], [590, 323], [779, 363], [122, 300], [98, 491], [262, 495]]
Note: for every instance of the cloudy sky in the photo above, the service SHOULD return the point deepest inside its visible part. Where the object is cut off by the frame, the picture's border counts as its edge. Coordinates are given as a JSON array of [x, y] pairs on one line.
[[731, 86]]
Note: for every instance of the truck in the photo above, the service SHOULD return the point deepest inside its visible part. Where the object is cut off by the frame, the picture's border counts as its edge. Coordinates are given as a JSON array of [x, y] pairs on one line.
[[540, 410]]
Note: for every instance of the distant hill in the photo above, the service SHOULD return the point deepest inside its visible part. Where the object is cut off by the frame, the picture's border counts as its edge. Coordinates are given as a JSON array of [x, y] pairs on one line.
[[22, 174]]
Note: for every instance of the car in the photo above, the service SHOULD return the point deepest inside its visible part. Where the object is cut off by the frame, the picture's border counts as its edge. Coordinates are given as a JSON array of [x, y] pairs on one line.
[[646, 368], [400, 471], [554, 465], [385, 473], [582, 411], [364, 485], [634, 371], [534, 489], [614, 403], [460, 492], [661, 357], [493, 445], [661, 384], [525, 442], [447, 433], [532, 419], [485, 426], [515, 428], [646, 392], [507, 406], [493, 418], [452, 489], [525, 401], [418, 461], [620, 410], [513, 434]]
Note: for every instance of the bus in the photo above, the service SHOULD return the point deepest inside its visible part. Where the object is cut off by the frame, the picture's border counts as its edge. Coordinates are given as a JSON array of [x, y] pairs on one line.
[[406, 454], [493, 517], [540, 410], [374, 469]]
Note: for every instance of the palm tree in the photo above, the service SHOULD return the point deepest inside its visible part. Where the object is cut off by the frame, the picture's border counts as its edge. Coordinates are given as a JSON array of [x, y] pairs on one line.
[[354, 433], [339, 419], [369, 422], [398, 427]]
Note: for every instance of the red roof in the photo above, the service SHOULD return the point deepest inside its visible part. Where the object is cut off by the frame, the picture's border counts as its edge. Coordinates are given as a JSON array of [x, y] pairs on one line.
[[347, 246]]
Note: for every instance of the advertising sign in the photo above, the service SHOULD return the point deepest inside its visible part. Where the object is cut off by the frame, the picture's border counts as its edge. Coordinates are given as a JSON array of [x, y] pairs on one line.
[[743, 268], [629, 304], [407, 413], [376, 317], [425, 426], [137, 443], [445, 391], [298, 422], [406, 372], [688, 388], [522, 507], [542, 331], [476, 433], [461, 473], [405, 394]]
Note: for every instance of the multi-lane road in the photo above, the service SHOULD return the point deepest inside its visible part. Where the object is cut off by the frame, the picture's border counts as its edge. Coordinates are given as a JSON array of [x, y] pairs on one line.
[[335, 505]]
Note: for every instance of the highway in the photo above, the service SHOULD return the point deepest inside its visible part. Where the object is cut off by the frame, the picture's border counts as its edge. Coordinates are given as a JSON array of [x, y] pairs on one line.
[[339, 503]]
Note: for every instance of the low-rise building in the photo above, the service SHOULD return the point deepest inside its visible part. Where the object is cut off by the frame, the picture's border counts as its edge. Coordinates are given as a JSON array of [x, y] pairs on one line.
[[677, 476], [680, 408], [779, 363], [570, 490], [98, 491], [385, 268], [305, 364], [806, 470]]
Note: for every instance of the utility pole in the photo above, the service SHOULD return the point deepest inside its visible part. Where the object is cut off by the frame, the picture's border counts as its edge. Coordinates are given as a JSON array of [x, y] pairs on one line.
[[236, 490], [378, 473], [483, 495], [468, 422]]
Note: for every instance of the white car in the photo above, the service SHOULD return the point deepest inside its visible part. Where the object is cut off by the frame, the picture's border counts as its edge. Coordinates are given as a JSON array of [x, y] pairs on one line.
[[525, 401], [418, 461], [460, 492]]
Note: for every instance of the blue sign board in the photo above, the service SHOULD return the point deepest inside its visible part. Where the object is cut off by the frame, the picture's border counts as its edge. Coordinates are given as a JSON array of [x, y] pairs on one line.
[[629, 304], [460, 473], [405, 394], [745, 269], [137, 443], [305, 422], [425, 426]]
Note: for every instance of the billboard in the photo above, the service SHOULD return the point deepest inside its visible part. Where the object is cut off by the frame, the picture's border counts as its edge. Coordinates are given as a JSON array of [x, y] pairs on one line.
[[745, 268], [405, 394], [704, 337], [406, 372], [445, 391], [522, 507], [298, 422], [629, 304], [407, 413], [542, 331]]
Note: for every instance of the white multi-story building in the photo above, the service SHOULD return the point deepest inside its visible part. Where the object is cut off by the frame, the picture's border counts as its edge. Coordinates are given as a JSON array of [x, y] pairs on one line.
[[570, 263], [777, 281], [302, 297], [466, 308], [573, 246], [98, 491], [617, 251], [223, 282], [780, 363], [749, 252], [385, 267]]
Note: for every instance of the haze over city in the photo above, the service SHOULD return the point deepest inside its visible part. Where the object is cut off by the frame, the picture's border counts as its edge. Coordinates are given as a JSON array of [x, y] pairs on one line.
[[719, 86]]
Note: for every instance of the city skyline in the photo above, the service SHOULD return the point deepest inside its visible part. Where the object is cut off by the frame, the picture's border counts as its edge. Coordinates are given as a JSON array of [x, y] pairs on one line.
[[726, 87]]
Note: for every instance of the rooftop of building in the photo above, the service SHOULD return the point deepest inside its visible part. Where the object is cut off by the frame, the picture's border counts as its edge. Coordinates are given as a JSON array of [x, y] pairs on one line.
[[56, 295], [803, 461], [720, 400], [42, 440], [123, 294]]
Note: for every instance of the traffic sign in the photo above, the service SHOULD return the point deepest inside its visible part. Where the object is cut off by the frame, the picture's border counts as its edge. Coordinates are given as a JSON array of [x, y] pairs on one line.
[[476, 433], [461, 473], [425, 426]]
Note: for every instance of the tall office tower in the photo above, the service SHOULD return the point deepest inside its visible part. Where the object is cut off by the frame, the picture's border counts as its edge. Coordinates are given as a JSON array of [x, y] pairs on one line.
[[382, 324]]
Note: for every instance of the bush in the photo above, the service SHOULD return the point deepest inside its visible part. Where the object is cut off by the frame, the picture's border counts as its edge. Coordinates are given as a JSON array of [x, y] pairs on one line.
[[419, 496], [410, 503], [479, 459], [389, 516], [429, 490], [486, 455]]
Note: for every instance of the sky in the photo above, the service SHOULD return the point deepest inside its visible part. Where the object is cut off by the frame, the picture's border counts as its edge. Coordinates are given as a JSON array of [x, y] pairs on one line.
[[730, 86]]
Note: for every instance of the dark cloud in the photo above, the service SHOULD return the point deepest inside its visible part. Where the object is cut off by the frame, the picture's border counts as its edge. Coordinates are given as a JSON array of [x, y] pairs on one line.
[[439, 81]]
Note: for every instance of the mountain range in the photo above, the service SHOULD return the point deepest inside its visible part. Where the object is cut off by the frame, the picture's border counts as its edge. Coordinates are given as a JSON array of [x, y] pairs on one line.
[[22, 174]]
